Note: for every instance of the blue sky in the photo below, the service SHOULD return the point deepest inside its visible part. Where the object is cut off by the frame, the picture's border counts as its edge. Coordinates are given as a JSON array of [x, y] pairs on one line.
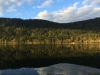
[[62, 11]]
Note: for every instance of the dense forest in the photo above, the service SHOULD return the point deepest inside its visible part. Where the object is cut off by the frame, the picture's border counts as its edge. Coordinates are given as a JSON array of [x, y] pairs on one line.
[[37, 31]]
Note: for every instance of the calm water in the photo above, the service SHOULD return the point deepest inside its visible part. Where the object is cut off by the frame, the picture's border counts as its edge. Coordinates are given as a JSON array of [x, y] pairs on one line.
[[58, 69], [50, 59]]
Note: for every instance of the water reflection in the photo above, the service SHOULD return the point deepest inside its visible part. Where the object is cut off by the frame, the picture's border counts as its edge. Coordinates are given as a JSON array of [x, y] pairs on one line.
[[67, 69], [21, 71], [58, 69], [19, 56]]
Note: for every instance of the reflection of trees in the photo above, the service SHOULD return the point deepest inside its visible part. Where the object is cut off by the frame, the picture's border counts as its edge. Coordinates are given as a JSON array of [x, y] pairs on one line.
[[33, 53]]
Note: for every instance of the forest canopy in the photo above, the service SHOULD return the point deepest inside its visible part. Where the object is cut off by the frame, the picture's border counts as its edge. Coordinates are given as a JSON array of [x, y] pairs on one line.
[[37, 31]]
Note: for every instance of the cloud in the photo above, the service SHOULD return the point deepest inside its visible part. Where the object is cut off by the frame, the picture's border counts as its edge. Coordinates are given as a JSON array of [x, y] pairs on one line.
[[11, 8], [95, 2], [85, 1], [11, 5], [92, 2], [73, 13], [44, 14], [46, 3]]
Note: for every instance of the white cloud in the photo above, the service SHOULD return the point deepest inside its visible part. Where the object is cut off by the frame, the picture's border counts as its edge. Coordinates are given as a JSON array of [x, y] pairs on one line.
[[92, 2], [85, 2], [44, 14], [46, 3], [11, 5], [72, 13], [13, 0], [95, 2], [11, 8]]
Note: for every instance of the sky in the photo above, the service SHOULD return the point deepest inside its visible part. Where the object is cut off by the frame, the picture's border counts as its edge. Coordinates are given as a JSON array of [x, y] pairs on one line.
[[62, 11]]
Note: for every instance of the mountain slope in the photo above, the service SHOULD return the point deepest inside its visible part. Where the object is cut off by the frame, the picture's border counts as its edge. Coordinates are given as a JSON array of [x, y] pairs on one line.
[[91, 24], [35, 31]]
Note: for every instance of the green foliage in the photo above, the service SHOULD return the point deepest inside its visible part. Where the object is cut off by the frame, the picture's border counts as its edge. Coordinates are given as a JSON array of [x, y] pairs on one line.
[[46, 32]]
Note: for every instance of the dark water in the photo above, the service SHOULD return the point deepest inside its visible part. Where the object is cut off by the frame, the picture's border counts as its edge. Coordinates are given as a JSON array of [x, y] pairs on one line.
[[49, 59]]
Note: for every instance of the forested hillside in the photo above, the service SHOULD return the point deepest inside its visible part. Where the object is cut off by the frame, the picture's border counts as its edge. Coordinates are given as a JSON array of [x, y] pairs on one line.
[[91, 24], [36, 31]]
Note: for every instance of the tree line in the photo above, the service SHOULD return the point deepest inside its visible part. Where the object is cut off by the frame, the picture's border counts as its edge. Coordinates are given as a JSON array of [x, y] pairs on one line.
[[18, 31]]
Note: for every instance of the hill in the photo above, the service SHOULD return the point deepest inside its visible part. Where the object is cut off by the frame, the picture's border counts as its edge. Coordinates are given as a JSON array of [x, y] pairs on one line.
[[34, 23], [36, 31], [91, 24]]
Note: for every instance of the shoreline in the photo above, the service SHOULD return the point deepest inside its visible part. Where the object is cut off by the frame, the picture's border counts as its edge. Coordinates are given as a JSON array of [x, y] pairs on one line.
[[30, 43]]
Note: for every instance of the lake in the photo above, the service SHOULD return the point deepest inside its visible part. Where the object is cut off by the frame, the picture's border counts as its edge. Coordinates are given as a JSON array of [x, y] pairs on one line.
[[68, 59]]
